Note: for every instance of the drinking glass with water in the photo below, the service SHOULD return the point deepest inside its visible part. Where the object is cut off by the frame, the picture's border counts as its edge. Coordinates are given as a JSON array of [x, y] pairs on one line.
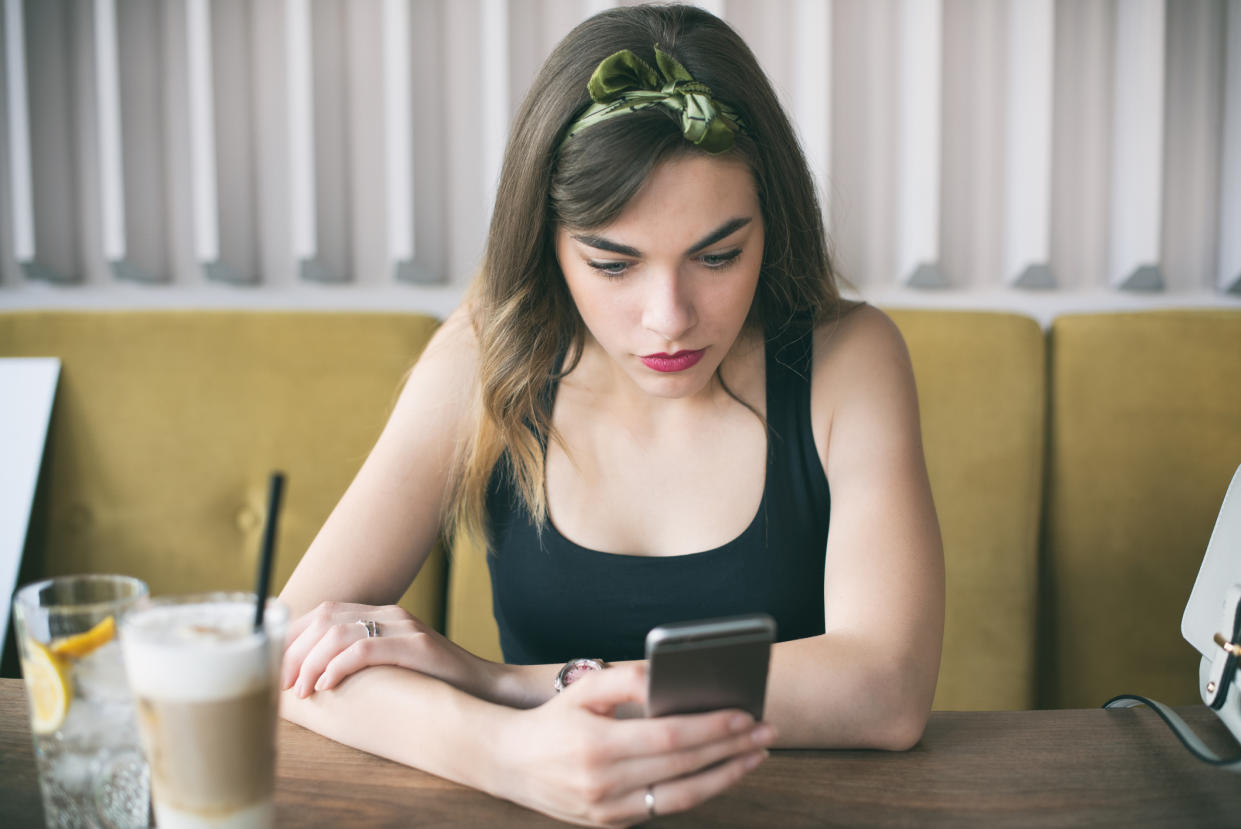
[[91, 769]]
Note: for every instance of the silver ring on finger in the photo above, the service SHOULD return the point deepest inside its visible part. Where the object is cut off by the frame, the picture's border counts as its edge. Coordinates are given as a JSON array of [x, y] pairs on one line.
[[650, 801], [370, 626]]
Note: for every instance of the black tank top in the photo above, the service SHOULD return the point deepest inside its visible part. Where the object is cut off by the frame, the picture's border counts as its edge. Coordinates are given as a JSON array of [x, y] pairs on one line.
[[555, 600]]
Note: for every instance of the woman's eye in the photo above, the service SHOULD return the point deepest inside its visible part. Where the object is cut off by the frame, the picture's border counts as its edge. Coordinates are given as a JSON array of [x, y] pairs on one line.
[[718, 261], [609, 268]]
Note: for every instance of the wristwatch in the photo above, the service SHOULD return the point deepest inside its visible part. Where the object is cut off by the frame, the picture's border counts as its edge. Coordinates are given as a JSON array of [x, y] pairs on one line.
[[575, 669]]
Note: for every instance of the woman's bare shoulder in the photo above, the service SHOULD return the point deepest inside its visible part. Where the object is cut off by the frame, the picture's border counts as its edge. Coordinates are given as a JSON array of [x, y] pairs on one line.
[[857, 338], [455, 340], [862, 375], [439, 389]]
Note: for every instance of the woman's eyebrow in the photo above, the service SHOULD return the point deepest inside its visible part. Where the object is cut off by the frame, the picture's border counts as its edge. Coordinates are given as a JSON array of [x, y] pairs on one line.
[[608, 245], [723, 231]]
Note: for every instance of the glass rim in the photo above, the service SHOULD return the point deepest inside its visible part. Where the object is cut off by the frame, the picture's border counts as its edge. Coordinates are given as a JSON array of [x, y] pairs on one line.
[[23, 597], [150, 603]]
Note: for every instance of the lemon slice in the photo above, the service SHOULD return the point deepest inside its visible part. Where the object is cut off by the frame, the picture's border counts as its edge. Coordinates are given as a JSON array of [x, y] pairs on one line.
[[80, 644], [47, 682]]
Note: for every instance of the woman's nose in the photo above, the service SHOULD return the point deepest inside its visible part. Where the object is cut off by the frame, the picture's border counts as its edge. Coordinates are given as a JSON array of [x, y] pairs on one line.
[[668, 307]]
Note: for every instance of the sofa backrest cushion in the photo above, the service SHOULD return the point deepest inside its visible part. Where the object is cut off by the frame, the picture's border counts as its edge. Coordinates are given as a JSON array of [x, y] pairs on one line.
[[982, 397], [1145, 432], [167, 424]]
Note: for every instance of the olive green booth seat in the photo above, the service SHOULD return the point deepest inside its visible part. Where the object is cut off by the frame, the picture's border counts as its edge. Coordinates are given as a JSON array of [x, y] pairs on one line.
[[166, 425], [1076, 473], [1145, 434], [981, 389]]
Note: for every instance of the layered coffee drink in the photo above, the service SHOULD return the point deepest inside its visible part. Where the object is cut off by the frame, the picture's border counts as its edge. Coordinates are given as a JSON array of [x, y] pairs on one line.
[[205, 683]]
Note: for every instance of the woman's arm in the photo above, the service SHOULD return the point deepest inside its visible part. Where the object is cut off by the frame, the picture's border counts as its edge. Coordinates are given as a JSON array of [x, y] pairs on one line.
[[379, 535], [376, 539], [570, 758], [327, 645], [869, 679]]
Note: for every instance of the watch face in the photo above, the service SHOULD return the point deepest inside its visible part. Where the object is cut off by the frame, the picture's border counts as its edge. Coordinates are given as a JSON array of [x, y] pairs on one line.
[[575, 669], [579, 670]]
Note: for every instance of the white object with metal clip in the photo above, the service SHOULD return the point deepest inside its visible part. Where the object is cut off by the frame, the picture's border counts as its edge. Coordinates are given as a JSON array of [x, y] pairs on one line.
[[1212, 624], [1212, 619]]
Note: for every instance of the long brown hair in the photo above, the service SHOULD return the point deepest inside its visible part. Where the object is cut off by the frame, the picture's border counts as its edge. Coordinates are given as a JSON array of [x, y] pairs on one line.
[[523, 315]]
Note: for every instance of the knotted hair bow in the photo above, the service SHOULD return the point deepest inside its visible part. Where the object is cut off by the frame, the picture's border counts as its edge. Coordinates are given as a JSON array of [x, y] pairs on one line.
[[625, 83]]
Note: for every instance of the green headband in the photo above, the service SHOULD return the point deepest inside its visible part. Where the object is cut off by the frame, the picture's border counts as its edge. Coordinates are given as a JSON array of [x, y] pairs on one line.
[[625, 83]]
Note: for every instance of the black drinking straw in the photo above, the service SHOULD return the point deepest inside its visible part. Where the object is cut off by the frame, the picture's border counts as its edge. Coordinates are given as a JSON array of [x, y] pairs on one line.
[[274, 487]]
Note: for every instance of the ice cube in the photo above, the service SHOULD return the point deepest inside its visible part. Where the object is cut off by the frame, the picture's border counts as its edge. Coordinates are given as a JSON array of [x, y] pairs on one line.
[[100, 675]]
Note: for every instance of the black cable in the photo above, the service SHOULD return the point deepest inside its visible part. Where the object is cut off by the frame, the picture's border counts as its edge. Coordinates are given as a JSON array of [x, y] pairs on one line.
[[1177, 729]]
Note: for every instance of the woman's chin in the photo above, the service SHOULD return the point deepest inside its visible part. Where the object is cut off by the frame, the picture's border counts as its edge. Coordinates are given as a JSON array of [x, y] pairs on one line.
[[672, 385]]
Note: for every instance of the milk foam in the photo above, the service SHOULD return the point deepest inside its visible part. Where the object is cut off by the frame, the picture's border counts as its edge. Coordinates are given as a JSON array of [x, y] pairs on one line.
[[197, 652]]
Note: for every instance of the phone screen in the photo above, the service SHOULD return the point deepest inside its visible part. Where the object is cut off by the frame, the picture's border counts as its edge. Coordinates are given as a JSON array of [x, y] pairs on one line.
[[709, 664]]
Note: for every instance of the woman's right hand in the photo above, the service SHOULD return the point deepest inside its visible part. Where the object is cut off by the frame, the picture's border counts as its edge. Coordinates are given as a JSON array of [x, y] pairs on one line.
[[330, 643], [571, 759]]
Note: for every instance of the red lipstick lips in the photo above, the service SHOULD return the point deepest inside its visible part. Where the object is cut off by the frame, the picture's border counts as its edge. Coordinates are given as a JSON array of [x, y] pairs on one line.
[[669, 363]]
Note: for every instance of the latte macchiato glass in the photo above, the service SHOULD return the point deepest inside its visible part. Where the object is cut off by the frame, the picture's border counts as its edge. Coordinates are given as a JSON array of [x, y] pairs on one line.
[[206, 687]]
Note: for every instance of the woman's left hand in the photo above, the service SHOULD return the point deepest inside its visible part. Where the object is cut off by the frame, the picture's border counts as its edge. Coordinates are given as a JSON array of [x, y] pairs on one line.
[[333, 641]]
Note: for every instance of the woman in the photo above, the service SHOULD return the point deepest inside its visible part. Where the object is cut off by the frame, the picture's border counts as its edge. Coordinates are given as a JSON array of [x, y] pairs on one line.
[[645, 408]]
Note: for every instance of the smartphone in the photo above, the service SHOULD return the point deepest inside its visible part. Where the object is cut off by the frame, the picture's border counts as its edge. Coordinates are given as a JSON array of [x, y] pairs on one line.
[[709, 664]]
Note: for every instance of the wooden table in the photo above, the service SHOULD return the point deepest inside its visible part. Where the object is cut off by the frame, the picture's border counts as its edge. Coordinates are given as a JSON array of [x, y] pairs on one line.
[[996, 768]]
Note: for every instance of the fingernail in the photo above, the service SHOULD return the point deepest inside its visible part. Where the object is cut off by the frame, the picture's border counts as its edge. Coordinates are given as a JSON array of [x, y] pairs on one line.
[[752, 760], [763, 735], [740, 722], [319, 685], [301, 690]]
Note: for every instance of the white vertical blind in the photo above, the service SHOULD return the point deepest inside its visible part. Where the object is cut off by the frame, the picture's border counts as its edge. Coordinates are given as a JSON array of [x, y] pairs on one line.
[[301, 126], [365, 129], [52, 70], [494, 95], [972, 172], [202, 147], [864, 140], [1137, 146], [272, 138], [1229, 273], [17, 117], [173, 204], [1193, 121], [812, 89], [398, 135], [1027, 158], [144, 147], [330, 78], [432, 170], [1030, 154], [1081, 145], [918, 171], [464, 151], [108, 101], [241, 101]]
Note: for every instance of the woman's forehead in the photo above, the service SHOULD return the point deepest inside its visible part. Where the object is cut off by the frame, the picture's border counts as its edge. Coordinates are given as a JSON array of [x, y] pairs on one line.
[[685, 198]]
